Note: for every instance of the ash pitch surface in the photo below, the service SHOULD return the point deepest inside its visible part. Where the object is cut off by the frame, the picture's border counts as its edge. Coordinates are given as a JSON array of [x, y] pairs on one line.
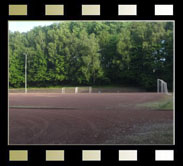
[[93, 118]]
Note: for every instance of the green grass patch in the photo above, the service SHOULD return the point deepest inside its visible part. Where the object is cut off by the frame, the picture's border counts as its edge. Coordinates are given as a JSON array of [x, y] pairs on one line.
[[95, 89], [84, 86], [50, 87], [165, 103]]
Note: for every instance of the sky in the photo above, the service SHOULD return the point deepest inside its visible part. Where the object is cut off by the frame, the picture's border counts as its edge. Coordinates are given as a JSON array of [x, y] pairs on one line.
[[25, 26]]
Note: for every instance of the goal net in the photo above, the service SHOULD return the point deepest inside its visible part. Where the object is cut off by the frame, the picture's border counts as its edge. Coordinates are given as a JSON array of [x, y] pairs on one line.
[[162, 86]]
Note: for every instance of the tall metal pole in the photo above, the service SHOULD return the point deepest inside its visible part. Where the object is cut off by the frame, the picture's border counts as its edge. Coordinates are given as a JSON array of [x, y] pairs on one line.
[[25, 73]]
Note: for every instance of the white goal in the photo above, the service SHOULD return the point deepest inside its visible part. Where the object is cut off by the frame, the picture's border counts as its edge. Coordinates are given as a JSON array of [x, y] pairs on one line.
[[162, 86]]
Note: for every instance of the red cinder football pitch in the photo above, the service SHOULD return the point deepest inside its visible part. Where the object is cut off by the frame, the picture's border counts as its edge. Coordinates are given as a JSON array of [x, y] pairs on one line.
[[97, 118]]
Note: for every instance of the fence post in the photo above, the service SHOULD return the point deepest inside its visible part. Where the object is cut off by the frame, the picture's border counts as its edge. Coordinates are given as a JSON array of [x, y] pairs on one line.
[[76, 90], [90, 89], [63, 90]]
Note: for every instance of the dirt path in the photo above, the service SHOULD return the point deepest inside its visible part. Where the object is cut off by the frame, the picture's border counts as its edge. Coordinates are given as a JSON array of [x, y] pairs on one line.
[[93, 119]]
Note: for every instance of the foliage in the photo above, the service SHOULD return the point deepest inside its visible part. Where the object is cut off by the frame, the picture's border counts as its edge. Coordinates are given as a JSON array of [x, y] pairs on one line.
[[93, 53]]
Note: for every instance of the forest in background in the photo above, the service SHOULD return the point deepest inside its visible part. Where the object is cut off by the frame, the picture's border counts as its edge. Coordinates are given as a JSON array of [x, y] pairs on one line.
[[93, 53]]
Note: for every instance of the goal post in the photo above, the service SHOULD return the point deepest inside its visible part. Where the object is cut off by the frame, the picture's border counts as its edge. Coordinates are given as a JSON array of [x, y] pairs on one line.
[[162, 86]]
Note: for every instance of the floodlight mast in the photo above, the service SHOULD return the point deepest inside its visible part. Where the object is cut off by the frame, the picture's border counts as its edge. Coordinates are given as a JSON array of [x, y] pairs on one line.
[[25, 73]]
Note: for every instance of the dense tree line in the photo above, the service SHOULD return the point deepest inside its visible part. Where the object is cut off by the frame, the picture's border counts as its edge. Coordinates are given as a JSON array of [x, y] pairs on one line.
[[93, 53]]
